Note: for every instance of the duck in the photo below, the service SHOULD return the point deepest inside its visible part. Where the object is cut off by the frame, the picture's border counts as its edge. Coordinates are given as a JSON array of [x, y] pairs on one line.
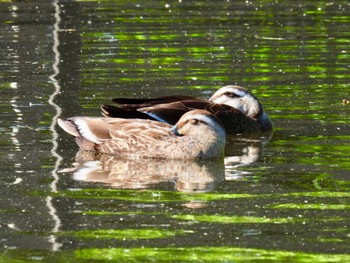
[[197, 135], [238, 109]]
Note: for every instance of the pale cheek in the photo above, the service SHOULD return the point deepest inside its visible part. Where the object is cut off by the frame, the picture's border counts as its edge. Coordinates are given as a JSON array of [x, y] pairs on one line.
[[221, 100], [236, 104], [182, 131], [189, 129]]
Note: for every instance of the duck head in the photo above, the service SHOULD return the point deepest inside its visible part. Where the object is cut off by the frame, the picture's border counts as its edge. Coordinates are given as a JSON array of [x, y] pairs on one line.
[[242, 100], [199, 122], [238, 98]]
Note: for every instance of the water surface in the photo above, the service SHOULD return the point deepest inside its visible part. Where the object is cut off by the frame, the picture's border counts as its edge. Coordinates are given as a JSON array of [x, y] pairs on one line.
[[280, 197]]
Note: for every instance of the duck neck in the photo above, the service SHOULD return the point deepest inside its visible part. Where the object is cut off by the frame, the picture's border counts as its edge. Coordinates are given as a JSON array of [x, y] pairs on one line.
[[211, 145]]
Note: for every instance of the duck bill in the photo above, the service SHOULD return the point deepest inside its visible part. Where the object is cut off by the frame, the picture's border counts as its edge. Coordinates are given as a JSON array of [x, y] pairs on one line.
[[174, 131]]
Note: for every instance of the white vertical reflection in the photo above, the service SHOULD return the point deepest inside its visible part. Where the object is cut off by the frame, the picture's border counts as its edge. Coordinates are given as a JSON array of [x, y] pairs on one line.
[[57, 89], [14, 104]]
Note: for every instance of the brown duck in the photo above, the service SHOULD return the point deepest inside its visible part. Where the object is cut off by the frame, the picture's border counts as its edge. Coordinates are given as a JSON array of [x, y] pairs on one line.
[[197, 135], [238, 110]]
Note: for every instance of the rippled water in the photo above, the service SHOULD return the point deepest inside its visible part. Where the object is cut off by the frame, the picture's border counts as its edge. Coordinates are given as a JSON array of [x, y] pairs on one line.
[[280, 197]]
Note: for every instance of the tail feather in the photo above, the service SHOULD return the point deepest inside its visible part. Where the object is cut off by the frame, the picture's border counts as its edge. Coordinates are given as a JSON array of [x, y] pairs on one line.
[[86, 138], [69, 127]]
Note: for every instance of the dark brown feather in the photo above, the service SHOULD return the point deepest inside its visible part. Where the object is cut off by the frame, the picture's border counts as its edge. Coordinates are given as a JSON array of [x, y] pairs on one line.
[[248, 117], [116, 112], [136, 103], [172, 112], [233, 120]]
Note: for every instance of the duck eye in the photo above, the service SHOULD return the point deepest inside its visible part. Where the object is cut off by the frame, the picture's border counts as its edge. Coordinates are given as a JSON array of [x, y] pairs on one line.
[[231, 94], [194, 121]]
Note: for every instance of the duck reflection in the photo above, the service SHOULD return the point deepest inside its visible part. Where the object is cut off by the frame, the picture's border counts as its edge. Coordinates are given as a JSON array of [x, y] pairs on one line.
[[191, 176], [186, 175], [242, 151]]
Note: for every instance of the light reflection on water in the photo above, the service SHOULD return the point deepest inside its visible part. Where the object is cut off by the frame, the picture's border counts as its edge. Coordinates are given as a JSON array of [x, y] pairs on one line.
[[187, 176], [285, 194], [57, 89]]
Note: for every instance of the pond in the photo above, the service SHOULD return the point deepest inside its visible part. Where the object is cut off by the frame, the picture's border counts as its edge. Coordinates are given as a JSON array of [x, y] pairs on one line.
[[280, 197]]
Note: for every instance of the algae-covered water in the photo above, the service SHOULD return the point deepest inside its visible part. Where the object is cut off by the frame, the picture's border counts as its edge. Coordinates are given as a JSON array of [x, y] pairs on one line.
[[281, 197]]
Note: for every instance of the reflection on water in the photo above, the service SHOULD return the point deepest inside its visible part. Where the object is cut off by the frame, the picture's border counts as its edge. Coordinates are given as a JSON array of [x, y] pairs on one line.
[[242, 151], [282, 200], [57, 89], [187, 176]]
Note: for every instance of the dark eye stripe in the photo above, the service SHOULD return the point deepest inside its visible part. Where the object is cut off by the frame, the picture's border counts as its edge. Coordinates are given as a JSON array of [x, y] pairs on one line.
[[196, 122], [231, 95]]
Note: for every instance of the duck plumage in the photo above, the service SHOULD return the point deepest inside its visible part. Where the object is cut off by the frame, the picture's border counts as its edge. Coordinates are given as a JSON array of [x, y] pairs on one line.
[[238, 110], [197, 135]]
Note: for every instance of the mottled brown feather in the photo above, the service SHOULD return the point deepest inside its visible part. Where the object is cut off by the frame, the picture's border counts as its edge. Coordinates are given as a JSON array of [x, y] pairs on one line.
[[201, 136]]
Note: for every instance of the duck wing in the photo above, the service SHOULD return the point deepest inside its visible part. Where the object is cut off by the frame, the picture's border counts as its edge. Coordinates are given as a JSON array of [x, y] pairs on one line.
[[234, 121], [171, 112], [118, 112], [136, 103], [164, 109]]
